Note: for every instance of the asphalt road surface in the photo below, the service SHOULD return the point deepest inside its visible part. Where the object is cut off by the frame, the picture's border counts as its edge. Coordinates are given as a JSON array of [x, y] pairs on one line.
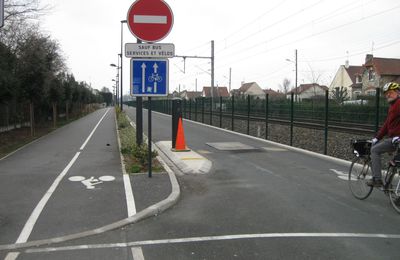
[[263, 202], [67, 182]]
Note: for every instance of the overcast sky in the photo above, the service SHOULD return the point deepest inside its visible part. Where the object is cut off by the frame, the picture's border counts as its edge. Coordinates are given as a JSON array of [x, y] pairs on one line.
[[254, 38]]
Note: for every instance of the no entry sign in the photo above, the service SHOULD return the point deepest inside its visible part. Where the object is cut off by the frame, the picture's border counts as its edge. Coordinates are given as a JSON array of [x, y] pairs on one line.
[[150, 20]]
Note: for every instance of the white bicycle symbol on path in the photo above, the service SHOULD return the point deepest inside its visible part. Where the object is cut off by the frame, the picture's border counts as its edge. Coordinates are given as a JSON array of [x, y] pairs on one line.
[[92, 181]]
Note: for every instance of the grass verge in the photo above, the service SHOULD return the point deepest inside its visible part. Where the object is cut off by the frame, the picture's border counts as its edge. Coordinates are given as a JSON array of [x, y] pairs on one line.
[[135, 156]]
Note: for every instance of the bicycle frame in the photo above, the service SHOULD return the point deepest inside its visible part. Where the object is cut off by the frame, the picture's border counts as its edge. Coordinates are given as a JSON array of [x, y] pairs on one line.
[[360, 168]]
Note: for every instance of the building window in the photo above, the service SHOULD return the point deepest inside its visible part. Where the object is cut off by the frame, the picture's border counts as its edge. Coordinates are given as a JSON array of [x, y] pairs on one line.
[[358, 79], [371, 75], [356, 94]]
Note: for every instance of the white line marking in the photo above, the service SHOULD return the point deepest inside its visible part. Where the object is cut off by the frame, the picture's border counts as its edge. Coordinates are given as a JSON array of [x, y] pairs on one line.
[[27, 230], [215, 238], [153, 19], [12, 256], [94, 129], [344, 176], [28, 227], [340, 173], [130, 201], [137, 253], [76, 178], [107, 178]]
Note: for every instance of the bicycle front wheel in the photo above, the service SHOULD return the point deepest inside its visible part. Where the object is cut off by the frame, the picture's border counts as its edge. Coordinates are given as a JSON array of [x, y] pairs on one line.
[[359, 173], [394, 189]]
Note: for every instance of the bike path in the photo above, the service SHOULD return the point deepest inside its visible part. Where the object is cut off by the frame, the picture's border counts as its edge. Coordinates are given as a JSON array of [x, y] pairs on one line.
[[27, 174], [92, 193]]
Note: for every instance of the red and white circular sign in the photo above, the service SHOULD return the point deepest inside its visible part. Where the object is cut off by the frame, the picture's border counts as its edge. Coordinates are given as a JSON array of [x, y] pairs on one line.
[[150, 20]]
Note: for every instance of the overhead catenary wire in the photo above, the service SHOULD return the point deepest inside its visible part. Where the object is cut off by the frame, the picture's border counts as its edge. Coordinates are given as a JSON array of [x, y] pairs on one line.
[[322, 18], [348, 8], [290, 16], [354, 54], [289, 32], [256, 19], [313, 35]]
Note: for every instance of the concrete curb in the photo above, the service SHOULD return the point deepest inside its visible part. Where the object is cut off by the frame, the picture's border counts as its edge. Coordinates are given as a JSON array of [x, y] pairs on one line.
[[288, 147], [200, 167], [150, 211]]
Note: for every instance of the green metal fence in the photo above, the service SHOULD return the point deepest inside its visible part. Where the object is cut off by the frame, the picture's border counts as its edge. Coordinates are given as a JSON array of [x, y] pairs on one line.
[[238, 112]]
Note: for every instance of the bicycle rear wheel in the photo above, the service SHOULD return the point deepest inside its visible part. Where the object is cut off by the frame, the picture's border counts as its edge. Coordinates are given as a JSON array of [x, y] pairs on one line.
[[394, 188], [359, 173]]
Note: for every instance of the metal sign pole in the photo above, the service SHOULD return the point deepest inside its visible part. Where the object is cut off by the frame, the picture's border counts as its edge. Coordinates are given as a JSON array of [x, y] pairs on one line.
[[149, 137], [139, 117]]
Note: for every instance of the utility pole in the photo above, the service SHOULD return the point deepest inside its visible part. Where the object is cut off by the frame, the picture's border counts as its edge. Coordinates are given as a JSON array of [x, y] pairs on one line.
[[122, 61], [296, 73], [1, 13], [230, 79], [212, 73], [196, 86], [202, 57]]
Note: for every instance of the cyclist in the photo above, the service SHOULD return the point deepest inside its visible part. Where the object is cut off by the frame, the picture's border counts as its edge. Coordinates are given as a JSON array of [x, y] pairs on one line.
[[391, 129]]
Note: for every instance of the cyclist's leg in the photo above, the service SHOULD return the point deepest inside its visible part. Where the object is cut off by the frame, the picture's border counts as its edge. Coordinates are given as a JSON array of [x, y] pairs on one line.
[[377, 150]]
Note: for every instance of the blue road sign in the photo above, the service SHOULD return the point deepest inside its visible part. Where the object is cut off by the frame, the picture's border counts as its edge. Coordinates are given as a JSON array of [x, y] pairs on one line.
[[149, 77]]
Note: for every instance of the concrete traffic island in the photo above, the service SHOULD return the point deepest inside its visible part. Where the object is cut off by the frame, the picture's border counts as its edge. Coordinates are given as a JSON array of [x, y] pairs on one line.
[[189, 162]]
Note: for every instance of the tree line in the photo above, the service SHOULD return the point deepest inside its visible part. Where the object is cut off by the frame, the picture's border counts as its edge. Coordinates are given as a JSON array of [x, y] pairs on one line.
[[32, 67]]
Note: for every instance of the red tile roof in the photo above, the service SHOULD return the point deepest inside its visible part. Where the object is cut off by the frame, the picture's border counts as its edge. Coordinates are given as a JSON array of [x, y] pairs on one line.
[[218, 92], [353, 71], [384, 66], [246, 86], [304, 87], [193, 94]]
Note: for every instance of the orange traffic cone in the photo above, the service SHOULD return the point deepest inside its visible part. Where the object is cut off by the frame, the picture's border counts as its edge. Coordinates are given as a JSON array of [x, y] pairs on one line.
[[180, 145]]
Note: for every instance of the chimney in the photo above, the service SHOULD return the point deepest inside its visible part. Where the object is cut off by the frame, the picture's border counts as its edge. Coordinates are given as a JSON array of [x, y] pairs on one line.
[[368, 58], [346, 64]]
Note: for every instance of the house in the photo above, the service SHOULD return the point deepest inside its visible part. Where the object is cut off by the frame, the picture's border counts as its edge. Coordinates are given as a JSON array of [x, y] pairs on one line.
[[377, 72], [307, 91], [218, 92], [251, 89], [272, 94], [190, 94], [349, 79]]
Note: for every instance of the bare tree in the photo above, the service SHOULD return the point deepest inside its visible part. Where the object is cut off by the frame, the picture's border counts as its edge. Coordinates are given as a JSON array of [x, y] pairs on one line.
[[20, 16], [105, 90], [314, 76], [22, 9], [339, 94], [285, 86]]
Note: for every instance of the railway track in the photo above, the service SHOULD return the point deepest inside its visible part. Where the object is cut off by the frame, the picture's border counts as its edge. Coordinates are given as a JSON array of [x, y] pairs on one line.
[[346, 127]]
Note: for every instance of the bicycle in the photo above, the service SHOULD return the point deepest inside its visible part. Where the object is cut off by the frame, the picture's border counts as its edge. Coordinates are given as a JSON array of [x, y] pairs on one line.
[[360, 172]]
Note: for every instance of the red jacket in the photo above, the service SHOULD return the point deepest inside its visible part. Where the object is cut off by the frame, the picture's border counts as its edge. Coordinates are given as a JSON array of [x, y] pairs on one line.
[[391, 128]]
